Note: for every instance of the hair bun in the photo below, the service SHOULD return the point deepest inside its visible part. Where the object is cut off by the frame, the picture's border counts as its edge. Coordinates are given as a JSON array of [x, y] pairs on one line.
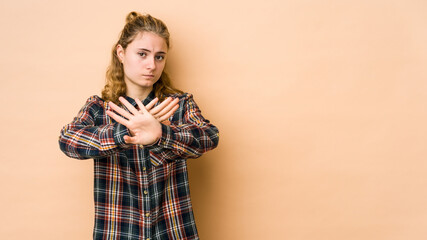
[[132, 16]]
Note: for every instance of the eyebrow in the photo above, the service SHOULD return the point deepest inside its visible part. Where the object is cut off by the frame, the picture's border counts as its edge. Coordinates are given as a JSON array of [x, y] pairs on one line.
[[150, 51]]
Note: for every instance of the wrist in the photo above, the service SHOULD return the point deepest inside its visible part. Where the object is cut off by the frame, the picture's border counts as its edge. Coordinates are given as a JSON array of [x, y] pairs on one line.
[[158, 136]]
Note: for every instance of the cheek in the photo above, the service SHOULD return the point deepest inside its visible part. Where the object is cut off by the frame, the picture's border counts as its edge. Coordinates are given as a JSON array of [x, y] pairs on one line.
[[131, 66], [161, 66]]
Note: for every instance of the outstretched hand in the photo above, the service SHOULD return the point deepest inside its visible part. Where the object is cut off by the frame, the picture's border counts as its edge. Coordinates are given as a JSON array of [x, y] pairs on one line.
[[143, 124], [164, 110]]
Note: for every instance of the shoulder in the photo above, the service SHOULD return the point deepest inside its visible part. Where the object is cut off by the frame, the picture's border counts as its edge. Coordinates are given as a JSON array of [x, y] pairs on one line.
[[182, 95], [95, 99], [186, 102], [95, 105]]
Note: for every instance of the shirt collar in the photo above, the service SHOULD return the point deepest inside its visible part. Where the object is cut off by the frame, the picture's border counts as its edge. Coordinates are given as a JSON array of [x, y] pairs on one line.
[[147, 100]]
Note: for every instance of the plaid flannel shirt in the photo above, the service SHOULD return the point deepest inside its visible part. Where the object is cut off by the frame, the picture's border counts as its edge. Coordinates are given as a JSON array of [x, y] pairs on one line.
[[140, 192]]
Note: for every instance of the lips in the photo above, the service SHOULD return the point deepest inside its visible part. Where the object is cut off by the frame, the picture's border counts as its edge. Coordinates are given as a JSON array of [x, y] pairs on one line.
[[148, 75]]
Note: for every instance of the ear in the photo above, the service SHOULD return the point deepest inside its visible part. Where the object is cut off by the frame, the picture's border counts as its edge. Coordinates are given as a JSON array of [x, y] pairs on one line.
[[120, 52]]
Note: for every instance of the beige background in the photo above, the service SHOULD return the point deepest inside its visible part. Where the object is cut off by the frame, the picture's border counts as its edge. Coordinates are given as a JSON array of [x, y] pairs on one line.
[[321, 107]]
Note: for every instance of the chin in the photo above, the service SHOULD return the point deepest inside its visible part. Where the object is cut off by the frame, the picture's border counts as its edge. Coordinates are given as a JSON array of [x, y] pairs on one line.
[[147, 83], [141, 82]]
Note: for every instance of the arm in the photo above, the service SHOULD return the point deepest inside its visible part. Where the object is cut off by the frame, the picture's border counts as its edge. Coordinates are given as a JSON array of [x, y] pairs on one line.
[[188, 137], [82, 139]]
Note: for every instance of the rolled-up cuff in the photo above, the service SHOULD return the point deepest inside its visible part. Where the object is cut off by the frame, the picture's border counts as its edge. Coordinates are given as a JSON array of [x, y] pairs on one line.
[[119, 132], [163, 140]]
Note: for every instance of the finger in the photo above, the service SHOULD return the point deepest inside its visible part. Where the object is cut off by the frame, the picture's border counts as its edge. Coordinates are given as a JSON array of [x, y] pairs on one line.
[[150, 104], [130, 140], [120, 110], [129, 106], [143, 109], [168, 114], [139, 103], [167, 108], [117, 118], [159, 107]]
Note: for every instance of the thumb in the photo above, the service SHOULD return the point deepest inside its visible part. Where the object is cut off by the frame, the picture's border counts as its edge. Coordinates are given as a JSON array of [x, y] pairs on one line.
[[130, 140]]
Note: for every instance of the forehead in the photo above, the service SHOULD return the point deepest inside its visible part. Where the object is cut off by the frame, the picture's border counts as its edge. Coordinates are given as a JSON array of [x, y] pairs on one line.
[[149, 41]]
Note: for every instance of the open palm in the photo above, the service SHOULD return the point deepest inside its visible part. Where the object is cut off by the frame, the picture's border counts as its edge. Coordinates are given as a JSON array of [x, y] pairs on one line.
[[143, 124]]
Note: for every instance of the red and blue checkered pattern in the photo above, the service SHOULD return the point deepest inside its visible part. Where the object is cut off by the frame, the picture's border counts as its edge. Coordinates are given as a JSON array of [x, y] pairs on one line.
[[140, 192]]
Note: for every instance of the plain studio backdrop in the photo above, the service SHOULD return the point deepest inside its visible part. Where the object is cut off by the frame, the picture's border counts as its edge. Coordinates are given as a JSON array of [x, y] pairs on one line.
[[321, 106]]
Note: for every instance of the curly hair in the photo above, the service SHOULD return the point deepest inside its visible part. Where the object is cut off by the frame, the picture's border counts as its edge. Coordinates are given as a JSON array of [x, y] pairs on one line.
[[115, 85]]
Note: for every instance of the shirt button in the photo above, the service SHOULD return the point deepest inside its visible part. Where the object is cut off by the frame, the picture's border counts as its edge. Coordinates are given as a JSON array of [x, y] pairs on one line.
[[145, 192], [148, 239], [144, 168], [141, 146], [147, 214]]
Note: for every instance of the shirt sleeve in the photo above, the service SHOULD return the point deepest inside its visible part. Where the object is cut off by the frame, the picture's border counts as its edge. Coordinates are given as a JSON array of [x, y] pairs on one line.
[[189, 137], [83, 138]]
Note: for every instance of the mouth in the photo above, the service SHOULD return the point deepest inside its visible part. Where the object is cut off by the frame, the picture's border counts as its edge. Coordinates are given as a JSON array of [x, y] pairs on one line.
[[148, 75]]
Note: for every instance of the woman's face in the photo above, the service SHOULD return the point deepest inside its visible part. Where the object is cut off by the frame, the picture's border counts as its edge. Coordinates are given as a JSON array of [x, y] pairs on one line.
[[143, 60]]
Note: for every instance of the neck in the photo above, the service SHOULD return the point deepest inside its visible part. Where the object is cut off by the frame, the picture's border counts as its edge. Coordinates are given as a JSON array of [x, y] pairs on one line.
[[140, 93]]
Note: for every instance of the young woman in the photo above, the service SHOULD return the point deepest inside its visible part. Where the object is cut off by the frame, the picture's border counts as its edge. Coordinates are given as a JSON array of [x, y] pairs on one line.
[[140, 134]]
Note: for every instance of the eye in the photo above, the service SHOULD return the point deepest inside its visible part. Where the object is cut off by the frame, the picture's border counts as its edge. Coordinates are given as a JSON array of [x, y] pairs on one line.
[[142, 54], [160, 57]]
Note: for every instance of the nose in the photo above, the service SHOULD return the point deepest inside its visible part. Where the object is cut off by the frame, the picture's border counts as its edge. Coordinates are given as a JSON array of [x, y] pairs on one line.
[[151, 64]]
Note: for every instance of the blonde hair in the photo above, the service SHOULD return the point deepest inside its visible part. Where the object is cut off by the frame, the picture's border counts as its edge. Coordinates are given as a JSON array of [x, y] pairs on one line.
[[115, 85]]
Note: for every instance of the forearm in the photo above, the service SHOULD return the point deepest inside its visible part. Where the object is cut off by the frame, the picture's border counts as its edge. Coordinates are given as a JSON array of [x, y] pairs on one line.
[[83, 142], [185, 141], [188, 136]]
